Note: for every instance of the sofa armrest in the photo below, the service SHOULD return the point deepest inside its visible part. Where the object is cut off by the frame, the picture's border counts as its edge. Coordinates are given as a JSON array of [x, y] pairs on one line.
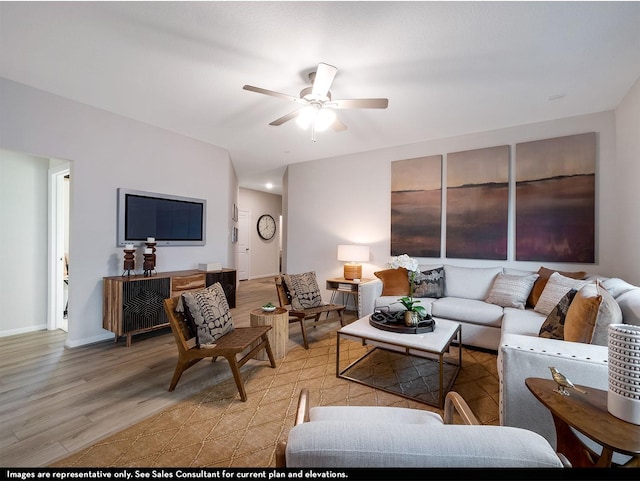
[[520, 357], [368, 292]]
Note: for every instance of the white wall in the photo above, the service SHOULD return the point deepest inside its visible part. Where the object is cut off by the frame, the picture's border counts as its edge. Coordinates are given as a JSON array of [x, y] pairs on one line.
[[347, 200], [265, 255], [23, 242], [109, 151], [627, 211]]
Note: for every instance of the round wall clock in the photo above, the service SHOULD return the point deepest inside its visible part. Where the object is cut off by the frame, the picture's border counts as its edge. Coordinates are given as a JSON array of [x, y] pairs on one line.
[[266, 226]]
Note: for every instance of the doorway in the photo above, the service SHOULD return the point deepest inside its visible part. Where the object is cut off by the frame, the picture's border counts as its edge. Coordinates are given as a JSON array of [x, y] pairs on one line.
[[243, 251], [59, 189]]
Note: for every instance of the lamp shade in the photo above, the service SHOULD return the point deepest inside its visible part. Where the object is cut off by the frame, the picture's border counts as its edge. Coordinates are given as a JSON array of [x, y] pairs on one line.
[[353, 253]]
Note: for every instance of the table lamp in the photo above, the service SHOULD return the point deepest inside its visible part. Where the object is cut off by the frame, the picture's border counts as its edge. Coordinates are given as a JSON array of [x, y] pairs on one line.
[[352, 255]]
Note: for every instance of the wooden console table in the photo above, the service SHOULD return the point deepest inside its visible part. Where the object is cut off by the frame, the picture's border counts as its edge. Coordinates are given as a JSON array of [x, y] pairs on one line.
[[133, 304], [588, 414]]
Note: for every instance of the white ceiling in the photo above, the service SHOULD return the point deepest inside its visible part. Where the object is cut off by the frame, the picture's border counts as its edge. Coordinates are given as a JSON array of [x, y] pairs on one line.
[[447, 68]]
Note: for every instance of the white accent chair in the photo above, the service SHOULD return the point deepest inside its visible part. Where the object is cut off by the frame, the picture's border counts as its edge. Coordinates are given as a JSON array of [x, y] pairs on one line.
[[377, 436]]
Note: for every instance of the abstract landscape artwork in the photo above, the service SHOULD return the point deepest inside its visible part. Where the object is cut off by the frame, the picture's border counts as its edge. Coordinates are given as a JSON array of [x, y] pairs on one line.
[[416, 206], [478, 203], [555, 199]]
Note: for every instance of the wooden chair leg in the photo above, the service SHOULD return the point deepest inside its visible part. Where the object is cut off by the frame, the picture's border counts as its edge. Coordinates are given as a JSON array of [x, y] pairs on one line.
[[181, 367], [267, 347], [340, 313], [304, 334], [235, 369]]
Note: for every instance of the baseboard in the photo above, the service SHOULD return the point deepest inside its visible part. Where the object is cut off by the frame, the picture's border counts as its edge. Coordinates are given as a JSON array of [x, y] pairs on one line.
[[23, 330], [90, 340]]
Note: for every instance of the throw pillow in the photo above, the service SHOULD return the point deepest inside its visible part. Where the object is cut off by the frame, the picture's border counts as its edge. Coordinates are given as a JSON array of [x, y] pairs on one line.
[[511, 290], [304, 290], [544, 275], [209, 311], [429, 283], [395, 282], [588, 321], [555, 289], [580, 322], [553, 325]]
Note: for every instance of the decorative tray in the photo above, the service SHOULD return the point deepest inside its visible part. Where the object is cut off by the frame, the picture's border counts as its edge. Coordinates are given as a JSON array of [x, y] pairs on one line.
[[397, 325]]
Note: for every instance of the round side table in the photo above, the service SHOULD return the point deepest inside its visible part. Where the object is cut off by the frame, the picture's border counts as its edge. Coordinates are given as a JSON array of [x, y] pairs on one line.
[[279, 333]]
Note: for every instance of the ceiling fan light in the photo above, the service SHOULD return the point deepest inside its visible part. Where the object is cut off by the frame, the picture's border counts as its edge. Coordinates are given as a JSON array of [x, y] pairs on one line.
[[324, 119], [306, 117]]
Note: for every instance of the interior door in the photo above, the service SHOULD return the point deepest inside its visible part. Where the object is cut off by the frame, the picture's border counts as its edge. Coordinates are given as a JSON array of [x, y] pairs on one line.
[[242, 247]]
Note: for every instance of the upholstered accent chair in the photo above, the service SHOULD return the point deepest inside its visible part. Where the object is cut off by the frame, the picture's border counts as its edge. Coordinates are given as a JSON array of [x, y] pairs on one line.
[[380, 436]]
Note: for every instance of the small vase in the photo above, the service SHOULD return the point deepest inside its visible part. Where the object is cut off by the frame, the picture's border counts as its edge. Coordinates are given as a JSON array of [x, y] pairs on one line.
[[411, 318]]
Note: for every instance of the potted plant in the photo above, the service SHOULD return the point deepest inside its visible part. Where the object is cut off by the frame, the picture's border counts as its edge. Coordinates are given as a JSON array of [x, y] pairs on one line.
[[414, 312]]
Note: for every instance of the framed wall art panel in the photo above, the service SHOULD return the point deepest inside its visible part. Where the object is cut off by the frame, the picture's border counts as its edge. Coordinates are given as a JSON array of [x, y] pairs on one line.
[[416, 206], [478, 203], [555, 199]]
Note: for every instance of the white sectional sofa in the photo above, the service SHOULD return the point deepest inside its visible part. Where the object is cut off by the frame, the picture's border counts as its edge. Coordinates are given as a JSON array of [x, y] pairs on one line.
[[514, 334]]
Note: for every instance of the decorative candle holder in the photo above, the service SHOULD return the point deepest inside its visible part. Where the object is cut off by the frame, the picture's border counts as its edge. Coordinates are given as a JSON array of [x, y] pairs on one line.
[[152, 246], [129, 262], [148, 264]]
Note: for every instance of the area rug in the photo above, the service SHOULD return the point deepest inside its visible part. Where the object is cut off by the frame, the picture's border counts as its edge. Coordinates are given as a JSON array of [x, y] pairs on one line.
[[215, 429]]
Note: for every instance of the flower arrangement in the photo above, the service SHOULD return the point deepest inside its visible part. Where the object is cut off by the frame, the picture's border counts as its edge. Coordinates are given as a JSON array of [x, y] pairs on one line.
[[411, 265]]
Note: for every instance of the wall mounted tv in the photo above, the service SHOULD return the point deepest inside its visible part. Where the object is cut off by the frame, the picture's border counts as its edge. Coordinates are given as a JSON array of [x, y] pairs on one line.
[[172, 220]]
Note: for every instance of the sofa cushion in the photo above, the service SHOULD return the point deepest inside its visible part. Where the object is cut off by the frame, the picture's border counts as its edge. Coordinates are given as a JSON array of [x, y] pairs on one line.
[[617, 287], [591, 312], [209, 312], [544, 275], [429, 283], [554, 290], [469, 282], [553, 326], [303, 289], [521, 321], [511, 290], [467, 310], [629, 303], [395, 282]]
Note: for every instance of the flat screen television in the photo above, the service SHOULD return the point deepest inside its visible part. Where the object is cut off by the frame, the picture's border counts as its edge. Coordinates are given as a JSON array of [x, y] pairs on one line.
[[172, 220]]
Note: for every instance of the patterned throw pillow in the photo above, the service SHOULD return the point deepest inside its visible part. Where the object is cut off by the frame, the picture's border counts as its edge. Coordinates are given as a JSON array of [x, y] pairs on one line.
[[541, 282], [555, 289], [429, 283], [511, 290], [209, 311], [304, 290], [553, 325]]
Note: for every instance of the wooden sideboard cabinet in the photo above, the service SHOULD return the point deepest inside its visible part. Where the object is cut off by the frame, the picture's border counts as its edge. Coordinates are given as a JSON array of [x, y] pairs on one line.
[[133, 304]]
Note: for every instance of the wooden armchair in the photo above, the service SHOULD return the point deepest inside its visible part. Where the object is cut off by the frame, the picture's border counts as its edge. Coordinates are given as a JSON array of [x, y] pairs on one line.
[[313, 313], [228, 346]]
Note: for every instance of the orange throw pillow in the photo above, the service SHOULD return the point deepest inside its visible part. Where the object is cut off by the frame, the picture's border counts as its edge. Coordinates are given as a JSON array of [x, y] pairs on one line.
[[395, 282], [543, 277], [580, 323]]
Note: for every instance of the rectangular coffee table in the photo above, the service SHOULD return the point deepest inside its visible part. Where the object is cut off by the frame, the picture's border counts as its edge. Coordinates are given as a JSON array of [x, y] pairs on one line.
[[430, 348]]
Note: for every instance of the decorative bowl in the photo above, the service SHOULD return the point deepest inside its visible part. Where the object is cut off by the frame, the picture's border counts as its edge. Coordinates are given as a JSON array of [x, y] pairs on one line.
[[268, 308]]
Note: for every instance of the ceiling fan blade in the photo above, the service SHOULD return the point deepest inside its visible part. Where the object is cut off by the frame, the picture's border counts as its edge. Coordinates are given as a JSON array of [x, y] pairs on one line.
[[358, 104], [259, 90], [323, 79], [285, 118], [338, 125]]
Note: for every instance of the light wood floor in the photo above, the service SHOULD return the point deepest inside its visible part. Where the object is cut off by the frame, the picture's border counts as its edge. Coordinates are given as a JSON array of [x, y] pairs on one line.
[[55, 401]]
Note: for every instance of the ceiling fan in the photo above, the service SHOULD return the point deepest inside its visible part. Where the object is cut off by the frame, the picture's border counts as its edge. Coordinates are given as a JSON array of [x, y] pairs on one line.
[[316, 107]]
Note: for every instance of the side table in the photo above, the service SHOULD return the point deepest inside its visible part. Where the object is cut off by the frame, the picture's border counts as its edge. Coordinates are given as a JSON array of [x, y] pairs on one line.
[[279, 333], [346, 287], [588, 414]]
